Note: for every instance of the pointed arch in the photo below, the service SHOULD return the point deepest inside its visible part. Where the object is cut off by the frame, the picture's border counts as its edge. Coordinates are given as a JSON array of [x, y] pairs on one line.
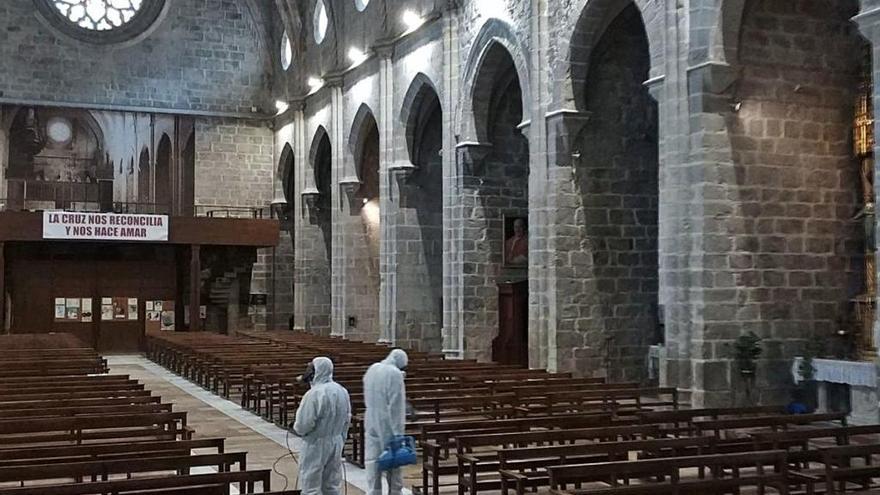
[[494, 35], [285, 172], [364, 120], [144, 192], [418, 104], [588, 21], [164, 153]]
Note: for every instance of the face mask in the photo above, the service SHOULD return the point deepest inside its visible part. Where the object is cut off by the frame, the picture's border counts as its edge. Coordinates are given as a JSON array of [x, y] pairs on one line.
[[308, 375]]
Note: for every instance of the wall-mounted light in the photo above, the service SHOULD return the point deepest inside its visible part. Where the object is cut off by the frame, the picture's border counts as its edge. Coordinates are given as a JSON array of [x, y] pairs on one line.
[[357, 56], [281, 107], [412, 21], [315, 83], [736, 106]]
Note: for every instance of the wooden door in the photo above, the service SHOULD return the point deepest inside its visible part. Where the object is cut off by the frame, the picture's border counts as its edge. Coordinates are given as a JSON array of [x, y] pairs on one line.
[[511, 346]]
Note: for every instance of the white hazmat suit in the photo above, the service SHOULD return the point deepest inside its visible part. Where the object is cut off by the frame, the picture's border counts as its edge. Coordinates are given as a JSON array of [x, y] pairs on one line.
[[385, 398], [322, 421]]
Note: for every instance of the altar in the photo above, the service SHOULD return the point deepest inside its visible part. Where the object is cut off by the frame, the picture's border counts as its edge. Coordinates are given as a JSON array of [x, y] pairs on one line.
[[846, 385]]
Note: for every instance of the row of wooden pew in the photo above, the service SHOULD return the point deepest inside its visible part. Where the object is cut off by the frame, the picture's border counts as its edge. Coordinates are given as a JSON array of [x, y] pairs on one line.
[[69, 428]]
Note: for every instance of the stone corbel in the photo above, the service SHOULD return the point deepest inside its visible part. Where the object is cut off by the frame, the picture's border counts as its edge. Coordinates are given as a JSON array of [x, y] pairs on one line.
[[563, 128], [404, 174], [349, 187], [715, 82], [311, 203], [471, 158]]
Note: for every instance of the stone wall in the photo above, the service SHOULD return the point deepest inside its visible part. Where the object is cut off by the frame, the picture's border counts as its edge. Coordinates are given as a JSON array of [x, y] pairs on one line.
[[793, 252], [202, 56], [609, 302], [233, 162]]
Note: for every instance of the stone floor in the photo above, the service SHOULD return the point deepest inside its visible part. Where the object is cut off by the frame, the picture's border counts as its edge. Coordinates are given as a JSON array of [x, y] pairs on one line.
[[212, 416]]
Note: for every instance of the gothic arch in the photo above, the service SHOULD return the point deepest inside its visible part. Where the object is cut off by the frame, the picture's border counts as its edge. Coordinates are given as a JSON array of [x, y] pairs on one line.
[[494, 35], [420, 89], [285, 172], [320, 134], [589, 20], [363, 124]]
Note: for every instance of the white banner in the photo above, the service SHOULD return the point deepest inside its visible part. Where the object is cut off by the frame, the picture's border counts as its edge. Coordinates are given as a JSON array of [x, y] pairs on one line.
[[104, 226]]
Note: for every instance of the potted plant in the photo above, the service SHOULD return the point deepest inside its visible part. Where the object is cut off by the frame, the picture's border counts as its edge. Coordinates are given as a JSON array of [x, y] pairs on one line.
[[746, 351], [807, 389]]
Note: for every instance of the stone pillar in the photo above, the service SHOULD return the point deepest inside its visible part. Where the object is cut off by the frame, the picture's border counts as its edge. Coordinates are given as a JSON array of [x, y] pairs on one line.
[[452, 331], [556, 243], [387, 202], [468, 254], [340, 209]]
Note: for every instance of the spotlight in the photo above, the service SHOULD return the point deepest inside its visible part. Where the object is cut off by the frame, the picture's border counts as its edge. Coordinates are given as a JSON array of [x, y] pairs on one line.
[[412, 21], [315, 83], [356, 56], [281, 106]]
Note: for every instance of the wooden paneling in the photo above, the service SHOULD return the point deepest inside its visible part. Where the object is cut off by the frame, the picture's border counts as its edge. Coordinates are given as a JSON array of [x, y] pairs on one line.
[[38, 272], [28, 226]]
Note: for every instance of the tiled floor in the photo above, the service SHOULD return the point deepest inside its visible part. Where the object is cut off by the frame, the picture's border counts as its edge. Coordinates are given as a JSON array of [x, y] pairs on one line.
[[212, 416]]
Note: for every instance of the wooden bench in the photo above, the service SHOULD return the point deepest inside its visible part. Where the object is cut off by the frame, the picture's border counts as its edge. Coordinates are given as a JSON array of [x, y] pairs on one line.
[[526, 467], [763, 469]]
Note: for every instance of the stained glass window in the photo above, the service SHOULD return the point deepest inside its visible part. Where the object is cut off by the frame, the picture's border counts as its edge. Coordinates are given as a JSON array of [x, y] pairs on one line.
[[98, 15]]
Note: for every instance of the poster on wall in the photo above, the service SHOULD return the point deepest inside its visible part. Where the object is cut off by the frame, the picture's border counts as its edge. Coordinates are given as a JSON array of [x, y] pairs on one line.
[[106, 309], [73, 309], [60, 308], [132, 308], [86, 310], [160, 315]]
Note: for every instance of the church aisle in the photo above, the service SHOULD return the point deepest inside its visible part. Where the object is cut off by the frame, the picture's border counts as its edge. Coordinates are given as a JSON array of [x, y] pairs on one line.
[[211, 416]]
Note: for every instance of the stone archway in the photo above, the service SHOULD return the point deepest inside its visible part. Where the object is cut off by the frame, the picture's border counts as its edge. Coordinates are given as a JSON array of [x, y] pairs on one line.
[[419, 222], [362, 232], [612, 283], [312, 268], [495, 197]]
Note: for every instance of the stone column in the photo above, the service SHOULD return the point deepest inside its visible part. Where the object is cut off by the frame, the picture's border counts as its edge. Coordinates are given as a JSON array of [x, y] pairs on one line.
[[340, 208], [548, 316], [388, 197], [453, 331]]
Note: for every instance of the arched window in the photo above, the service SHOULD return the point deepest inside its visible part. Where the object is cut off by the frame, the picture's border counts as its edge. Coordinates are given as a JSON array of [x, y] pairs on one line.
[[286, 51], [101, 21], [321, 21]]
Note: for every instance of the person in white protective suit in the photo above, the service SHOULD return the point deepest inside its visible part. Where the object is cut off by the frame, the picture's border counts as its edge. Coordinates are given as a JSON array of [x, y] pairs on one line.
[[385, 398], [322, 421]]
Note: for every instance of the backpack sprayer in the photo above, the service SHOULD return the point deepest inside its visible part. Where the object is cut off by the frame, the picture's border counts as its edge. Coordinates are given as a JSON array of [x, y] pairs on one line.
[[399, 451]]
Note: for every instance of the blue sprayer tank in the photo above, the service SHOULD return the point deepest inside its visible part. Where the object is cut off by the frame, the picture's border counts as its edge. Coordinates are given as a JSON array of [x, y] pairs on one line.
[[400, 451]]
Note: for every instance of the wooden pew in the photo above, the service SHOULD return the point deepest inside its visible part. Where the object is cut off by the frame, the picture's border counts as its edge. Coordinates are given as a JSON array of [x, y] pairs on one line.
[[763, 469], [527, 467]]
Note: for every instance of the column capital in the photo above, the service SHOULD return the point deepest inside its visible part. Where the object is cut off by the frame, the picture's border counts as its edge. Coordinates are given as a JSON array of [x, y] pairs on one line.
[[563, 128], [471, 157], [868, 18]]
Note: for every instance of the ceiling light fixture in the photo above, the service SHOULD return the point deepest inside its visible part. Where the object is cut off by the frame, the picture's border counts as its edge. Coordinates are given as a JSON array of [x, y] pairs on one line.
[[357, 56], [412, 21], [315, 83]]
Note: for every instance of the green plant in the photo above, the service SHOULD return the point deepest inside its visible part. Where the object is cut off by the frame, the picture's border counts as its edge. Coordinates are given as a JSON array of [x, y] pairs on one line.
[[747, 350], [806, 368]]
